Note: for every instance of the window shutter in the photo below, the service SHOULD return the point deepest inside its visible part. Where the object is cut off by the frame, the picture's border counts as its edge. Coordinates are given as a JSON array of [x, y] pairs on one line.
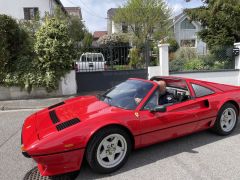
[[26, 14]]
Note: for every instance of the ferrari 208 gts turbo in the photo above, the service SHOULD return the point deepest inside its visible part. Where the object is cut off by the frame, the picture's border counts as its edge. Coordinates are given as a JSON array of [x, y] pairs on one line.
[[104, 129]]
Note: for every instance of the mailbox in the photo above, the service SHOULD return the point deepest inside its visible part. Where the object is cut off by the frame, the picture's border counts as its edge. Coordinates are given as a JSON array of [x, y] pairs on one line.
[[236, 51]]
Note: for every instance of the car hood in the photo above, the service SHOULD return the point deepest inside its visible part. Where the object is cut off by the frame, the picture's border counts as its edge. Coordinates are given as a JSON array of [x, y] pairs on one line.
[[81, 108]]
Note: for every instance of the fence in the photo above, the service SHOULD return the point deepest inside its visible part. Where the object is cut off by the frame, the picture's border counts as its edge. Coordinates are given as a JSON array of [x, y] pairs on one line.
[[229, 76], [109, 58]]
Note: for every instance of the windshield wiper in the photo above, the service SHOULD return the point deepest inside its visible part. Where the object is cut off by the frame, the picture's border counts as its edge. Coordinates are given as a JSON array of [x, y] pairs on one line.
[[108, 98]]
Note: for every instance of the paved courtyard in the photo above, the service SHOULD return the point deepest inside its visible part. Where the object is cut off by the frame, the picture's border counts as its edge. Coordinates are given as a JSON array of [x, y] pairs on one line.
[[200, 156]]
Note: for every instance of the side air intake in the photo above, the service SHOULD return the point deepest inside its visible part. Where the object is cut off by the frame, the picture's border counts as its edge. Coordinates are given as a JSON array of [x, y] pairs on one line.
[[67, 124], [56, 105], [54, 117]]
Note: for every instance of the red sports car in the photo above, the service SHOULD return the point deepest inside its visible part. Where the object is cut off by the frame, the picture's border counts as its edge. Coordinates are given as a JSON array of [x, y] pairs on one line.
[[105, 128]]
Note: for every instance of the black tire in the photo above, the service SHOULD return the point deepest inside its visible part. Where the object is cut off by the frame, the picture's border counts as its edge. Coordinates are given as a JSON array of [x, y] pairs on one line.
[[91, 151], [217, 126]]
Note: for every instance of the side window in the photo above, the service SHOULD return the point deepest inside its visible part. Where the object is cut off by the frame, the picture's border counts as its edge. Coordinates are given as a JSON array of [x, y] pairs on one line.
[[152, 102], [201, 91]]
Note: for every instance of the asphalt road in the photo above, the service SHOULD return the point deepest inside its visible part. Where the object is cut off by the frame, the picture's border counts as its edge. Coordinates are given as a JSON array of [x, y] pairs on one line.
[[199, 156]]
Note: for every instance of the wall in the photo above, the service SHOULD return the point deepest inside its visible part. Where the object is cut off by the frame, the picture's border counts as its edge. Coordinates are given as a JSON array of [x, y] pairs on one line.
[[14, 8], [67, 86], [230, 77]]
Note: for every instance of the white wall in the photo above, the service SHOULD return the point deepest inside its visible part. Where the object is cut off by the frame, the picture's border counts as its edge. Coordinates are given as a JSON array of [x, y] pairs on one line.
[[223, 77], [14, 8], [67, 86]]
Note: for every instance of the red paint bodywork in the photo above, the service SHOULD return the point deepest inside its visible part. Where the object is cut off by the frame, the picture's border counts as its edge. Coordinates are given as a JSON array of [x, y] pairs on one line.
[[59, 152]]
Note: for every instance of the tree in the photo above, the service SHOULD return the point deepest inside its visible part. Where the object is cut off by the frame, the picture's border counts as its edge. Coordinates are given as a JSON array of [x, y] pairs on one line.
[[14, 46], [145, 18], [54, 49], [220, 19]]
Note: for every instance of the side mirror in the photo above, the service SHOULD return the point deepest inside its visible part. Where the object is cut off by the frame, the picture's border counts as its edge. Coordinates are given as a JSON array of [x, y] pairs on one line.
[[158, 109]]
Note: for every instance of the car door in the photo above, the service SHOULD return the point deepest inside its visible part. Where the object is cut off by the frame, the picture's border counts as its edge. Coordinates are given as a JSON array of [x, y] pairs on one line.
[[178, 120]]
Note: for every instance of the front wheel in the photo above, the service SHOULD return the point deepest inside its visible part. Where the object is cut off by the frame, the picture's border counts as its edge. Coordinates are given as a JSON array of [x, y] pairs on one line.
[[108, 150], [226, 120]]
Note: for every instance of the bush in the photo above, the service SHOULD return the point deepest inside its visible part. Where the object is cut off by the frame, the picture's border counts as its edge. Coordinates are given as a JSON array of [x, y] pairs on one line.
[[186, 53], [194, 64], [9, 44], [173, 45], [54, 49], [16, 52], [114, 40], [177, 65], [134, 57]]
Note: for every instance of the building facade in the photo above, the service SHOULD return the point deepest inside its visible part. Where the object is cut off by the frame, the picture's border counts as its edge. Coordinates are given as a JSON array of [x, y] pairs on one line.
[[185, 32], [74, 11], [27, 9]]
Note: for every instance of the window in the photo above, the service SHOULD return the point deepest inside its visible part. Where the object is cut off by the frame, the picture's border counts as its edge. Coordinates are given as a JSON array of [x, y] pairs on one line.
[[124, 27], [123, 95], [30, 13], [152, 102], [188, 43], [201, 91], [186, 24]]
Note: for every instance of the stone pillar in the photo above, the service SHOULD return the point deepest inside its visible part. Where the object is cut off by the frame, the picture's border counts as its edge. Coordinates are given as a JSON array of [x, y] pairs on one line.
[[237, 58], [163, 59]]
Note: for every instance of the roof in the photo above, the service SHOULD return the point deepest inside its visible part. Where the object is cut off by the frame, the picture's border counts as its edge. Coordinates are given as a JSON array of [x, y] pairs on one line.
[[98, 34], [111, 12]]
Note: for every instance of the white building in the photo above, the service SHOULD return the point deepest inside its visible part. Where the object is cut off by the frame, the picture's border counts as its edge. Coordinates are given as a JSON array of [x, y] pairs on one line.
[[185, 32], [27, 9]]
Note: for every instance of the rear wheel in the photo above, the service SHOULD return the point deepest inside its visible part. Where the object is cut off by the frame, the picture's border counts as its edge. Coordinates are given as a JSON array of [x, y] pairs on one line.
[[226, 120], [108, 150]]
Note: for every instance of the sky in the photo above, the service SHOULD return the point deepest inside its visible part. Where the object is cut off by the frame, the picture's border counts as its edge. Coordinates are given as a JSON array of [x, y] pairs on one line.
[[94, 12]]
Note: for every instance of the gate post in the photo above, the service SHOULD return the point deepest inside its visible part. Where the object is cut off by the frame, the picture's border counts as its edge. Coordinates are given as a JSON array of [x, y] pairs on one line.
[[163, 59], [237, 62], [237, 58]]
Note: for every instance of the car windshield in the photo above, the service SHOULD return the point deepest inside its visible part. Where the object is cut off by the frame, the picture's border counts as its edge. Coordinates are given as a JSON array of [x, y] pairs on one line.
[[128, 94]]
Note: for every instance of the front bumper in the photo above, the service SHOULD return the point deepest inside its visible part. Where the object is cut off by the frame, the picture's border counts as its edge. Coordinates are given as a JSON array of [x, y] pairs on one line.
[[61, 163]]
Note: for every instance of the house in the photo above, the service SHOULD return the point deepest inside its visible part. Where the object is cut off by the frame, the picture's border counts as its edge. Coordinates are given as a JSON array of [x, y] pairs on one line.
[[113, 27], [74, 11], [184, 31], [97, 35], [27, 9]]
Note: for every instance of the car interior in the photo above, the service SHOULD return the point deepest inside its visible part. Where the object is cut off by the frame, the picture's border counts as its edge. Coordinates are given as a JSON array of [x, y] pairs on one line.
[[177, 87]]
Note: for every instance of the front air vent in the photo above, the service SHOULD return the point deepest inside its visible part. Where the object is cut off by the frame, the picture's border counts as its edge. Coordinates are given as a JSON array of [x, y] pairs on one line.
[[56, 105], [54, 117], [67, 124]]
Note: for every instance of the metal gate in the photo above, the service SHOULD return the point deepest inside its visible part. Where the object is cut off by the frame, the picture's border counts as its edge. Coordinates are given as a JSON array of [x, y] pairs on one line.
[[100, 81], [103, 68]]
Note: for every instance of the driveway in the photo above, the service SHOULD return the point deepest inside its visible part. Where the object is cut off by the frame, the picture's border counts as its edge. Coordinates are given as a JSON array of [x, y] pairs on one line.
[[199, 156]]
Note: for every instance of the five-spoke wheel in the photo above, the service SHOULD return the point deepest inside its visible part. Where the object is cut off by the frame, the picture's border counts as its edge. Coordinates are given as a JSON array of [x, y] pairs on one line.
[[108, 150], [226, 119]]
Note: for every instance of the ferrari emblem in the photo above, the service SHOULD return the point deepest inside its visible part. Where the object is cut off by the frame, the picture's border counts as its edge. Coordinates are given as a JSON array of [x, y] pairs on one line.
[[137, 114]]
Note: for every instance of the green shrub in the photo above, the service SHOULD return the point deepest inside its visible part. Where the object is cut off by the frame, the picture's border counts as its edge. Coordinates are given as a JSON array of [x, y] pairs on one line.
[[194, 64], [177, 65], [186, 53], [54, 50]]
